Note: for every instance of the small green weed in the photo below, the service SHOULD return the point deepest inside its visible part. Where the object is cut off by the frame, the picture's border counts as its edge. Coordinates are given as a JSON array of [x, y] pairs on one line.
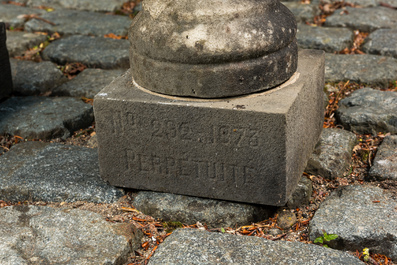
[[325, 238], [366, 254]]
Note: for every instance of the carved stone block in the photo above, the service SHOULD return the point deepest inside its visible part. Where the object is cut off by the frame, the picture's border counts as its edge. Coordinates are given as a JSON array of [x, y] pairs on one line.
[[250, 148]]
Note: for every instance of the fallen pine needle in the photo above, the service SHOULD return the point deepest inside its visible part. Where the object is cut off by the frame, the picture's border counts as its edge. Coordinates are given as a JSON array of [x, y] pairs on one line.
[[34, 16], [128, 209], [151, 254], [139, 219], [278, 237], [6, 148], [145, 245]]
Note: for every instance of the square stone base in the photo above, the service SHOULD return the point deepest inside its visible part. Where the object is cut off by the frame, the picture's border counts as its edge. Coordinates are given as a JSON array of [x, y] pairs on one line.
[[249, 149]]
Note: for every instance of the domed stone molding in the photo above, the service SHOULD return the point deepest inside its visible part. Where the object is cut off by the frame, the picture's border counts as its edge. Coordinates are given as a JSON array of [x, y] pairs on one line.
[[212, 49]]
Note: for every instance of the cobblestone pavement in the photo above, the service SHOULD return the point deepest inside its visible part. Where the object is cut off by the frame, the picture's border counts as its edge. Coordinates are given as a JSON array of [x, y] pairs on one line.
[[63, 52]]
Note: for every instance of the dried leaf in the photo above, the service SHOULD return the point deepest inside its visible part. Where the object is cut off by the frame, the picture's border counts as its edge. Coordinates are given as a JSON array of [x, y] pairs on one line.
[[125, 209], [200, 226], [114, 36]]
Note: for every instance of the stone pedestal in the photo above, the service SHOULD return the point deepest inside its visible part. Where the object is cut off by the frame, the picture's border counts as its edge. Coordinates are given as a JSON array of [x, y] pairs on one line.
[[250, 148], [5, 69]]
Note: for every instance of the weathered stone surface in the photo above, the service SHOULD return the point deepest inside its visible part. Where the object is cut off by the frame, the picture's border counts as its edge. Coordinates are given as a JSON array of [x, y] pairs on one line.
[[193, 246], [368, 69], [362, 217], [363, 19], [44, 118], [285, 219], [369, 111], [31, 78], [69, 22], [392, 3], [93, 142], [91, 51], [383, 42], [303, 12], [189, 210], [326, 39], [16, 1], [212, 49], [88, 83], [19, 41], [332, 155], [13, 15], [38, 171], [5, 69], [275, 231], [89, 5], [302, 193], [364, 3], [44, 235], [246, 149], [215, 80], [138, 7], [385, 163]]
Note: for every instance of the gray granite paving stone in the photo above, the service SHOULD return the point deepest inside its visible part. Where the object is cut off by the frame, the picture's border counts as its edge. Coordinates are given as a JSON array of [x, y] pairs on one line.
[[88, 83], [70, 22], [189, 210], [385, 163], [19, 41], [95, 52], [303, 12], [332, 155], [15, 1], [362, 68], [138, 7], [43, 235], [363, 19], [362, 217], [12, 14], [383, 42], [285, 218], [369, 111], [43, 117], [31, 78], [89, 5], [193, 246], [38, 171], [392, 3], [321, 38], [214, 213], [364, 3]]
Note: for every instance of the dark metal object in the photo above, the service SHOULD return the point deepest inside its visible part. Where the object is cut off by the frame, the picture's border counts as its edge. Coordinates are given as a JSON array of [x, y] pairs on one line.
[[5, 68]]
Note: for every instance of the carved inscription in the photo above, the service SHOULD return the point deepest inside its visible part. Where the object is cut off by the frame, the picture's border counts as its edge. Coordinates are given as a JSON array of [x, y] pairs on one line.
[[123, 122], [227, 135], [212, 134], [189, 168]]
